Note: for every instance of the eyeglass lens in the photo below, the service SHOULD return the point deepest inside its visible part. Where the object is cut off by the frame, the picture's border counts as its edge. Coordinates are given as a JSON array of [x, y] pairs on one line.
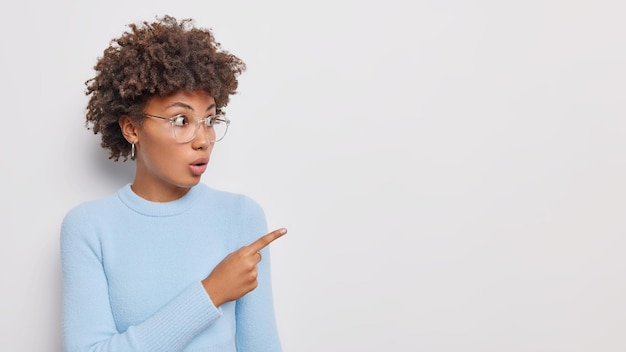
[[188, 131]]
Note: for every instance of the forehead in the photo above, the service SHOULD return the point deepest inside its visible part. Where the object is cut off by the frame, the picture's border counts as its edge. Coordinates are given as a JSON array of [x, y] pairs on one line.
[[198, 100]]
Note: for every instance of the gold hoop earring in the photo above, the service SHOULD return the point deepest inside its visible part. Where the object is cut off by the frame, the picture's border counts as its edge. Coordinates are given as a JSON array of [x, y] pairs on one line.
[[132, 151]]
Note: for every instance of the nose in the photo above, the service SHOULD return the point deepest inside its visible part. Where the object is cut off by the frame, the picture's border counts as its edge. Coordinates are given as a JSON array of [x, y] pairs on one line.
[[205, 137]]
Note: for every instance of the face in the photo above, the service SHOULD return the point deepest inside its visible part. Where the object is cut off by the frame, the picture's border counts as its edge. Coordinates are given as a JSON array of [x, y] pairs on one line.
[[167, 169]]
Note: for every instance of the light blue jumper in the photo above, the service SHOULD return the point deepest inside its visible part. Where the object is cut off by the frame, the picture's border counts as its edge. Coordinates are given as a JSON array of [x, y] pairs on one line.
[[132, 272]]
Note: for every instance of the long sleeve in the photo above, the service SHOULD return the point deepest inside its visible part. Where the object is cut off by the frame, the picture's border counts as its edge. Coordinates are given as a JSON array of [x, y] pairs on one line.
[[256, 325], [88, 321], [132, 272]]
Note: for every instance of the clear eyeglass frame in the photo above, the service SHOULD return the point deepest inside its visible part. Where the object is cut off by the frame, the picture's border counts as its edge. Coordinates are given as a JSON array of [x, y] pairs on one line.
[[184, 132]]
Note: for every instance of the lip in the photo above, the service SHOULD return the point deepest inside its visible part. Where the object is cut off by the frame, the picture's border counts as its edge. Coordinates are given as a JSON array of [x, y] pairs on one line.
[[198, 166]]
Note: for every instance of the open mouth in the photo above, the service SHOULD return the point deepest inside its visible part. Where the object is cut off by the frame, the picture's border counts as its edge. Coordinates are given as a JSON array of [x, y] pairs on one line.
[[198, 166], [200, 162]]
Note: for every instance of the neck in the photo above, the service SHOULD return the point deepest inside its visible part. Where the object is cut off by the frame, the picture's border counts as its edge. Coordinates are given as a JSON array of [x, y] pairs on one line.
[[159, 194]]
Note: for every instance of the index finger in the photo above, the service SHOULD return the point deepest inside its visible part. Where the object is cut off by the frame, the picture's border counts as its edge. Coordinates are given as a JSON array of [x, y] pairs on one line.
[[265, 240]]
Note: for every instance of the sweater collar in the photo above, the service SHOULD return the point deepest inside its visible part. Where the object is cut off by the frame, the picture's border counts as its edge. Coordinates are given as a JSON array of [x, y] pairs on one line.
[[150, 208]]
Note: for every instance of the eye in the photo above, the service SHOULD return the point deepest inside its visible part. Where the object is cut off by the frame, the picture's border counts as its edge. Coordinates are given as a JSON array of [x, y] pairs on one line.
[[180, 120], [210, 121], [217, 120]]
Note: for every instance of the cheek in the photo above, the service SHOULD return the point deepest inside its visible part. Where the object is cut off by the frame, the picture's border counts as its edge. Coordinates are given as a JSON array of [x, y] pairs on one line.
[[160, 154]]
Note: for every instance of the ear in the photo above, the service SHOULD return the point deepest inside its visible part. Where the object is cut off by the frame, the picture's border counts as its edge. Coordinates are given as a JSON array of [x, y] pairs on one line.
[[129, 129]]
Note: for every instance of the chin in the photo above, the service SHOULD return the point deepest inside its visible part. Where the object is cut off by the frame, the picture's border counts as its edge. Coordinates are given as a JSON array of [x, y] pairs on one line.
[[189, 184]]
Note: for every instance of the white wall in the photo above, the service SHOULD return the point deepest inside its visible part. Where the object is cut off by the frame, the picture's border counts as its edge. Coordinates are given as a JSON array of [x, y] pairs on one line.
[[451, 172]]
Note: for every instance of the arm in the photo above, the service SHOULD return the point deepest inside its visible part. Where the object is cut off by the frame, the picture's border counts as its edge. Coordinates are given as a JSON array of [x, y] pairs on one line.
[[256, 324], [88, 323]]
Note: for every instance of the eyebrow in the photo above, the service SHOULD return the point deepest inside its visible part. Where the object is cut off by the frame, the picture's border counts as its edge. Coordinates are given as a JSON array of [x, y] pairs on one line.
[[187, 106]]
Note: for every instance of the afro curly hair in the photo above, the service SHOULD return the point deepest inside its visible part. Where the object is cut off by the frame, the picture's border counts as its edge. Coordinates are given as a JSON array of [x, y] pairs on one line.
[[155, 59]]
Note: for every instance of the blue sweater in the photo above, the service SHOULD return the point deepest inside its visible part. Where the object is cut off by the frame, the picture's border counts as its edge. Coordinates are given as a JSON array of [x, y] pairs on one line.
[[132, 272]]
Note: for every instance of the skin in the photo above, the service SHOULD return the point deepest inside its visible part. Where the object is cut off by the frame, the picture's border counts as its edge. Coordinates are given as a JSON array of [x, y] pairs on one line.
[[162, 172], [236, 275], [165, 172]]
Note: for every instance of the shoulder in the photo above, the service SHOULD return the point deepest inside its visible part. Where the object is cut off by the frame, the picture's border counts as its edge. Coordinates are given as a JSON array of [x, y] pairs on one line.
[[82, 220], [239, 210], [234, 202], [87, 209], [83, 228]]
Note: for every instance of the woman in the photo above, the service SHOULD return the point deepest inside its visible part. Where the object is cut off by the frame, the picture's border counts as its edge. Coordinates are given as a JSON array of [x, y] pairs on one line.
[[166, 263]]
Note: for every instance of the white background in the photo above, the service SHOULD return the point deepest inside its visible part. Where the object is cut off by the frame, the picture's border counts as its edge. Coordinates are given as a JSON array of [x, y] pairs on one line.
[[451, 172]]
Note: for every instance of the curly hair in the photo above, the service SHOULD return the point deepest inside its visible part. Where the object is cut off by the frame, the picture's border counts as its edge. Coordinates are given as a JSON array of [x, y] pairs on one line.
[[155, 59]]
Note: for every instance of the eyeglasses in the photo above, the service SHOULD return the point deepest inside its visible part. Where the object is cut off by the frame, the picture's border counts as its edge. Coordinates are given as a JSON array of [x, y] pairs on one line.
[[184, 130]]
